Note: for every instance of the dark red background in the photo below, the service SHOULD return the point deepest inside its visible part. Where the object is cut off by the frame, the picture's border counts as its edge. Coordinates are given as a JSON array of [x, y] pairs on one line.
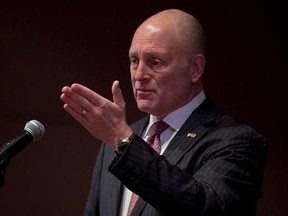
[[46, 46]]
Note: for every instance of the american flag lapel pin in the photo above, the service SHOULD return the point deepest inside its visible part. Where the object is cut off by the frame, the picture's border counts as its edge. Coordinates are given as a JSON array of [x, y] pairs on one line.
[[191, 135]]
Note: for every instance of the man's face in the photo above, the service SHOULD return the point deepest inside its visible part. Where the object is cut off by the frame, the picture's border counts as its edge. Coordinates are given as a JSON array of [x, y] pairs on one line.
[[160, 71]]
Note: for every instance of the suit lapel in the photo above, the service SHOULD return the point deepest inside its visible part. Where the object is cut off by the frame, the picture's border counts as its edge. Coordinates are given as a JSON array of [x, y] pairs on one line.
[[193, 129], [112, 188], [139, 126], [115, 197], [138, 208]]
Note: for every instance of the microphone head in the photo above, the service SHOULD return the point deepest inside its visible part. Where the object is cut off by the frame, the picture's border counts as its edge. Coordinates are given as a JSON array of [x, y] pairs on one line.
[[35, 128]]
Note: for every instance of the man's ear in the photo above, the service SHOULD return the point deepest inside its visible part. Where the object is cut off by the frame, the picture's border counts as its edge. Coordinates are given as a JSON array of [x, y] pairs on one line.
[[198, 65]]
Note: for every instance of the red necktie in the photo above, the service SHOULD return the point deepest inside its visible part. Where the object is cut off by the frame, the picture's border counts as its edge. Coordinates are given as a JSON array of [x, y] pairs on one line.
[[154, 141]]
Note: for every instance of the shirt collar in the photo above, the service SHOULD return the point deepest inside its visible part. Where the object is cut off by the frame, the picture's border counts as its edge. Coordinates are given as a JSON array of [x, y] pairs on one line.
[[177, 118]]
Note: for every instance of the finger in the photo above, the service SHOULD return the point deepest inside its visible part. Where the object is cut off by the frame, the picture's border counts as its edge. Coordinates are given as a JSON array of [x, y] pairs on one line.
[[87, 93], [117, 94], [82, 118], [73, 104], [75, 100]]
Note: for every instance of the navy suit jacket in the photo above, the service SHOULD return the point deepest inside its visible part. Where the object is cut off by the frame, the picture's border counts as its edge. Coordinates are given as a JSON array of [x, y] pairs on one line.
[[212, 167]]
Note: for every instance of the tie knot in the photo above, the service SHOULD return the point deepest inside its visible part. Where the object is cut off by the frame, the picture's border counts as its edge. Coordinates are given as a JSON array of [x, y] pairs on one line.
[[160, 126], [154, 139]]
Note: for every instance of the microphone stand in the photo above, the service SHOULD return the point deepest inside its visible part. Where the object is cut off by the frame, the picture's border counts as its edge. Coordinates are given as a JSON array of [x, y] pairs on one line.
[[3, 164]]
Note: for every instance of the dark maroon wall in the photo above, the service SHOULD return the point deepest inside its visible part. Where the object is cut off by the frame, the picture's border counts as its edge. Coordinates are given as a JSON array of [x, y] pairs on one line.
[[44, 47]]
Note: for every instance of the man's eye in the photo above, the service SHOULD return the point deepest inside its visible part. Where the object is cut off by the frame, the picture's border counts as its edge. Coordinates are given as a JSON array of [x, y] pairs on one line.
[[133, 61], [156, 62]]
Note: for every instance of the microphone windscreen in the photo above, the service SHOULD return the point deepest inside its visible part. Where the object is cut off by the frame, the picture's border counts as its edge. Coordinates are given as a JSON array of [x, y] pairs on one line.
[[35, 128]]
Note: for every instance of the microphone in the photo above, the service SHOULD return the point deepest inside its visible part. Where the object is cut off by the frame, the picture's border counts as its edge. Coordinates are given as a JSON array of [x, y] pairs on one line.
[[33, 131]]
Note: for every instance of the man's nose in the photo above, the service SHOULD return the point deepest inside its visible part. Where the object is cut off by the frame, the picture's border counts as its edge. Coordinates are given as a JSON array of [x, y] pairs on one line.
[[142, 72]]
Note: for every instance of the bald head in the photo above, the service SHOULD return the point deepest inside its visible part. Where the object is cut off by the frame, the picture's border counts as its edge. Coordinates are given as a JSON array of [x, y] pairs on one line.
[[184, 27], [167, 61]]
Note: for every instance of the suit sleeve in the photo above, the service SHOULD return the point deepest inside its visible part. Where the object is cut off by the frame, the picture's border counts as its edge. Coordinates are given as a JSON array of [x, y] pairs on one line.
[[221, 175]]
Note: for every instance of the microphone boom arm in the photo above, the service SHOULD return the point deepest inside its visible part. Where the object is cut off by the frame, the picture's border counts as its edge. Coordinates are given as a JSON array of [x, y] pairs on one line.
[[3, 164]]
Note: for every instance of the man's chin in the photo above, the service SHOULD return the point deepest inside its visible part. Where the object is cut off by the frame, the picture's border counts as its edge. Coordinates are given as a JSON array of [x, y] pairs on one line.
[[145, 106], [144, 109]]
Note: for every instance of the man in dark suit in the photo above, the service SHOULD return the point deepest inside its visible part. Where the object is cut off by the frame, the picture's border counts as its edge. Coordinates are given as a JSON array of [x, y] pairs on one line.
[[202, 163]]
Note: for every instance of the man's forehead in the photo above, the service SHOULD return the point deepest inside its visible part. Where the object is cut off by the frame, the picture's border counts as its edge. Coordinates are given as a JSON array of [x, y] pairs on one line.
[[152, 28]]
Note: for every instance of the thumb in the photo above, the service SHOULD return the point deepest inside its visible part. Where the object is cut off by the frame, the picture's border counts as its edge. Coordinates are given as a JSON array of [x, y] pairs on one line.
[[117, 94]]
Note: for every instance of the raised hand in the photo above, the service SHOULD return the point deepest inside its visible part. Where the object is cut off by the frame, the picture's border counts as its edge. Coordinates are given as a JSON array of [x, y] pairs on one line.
[[104, 119]]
